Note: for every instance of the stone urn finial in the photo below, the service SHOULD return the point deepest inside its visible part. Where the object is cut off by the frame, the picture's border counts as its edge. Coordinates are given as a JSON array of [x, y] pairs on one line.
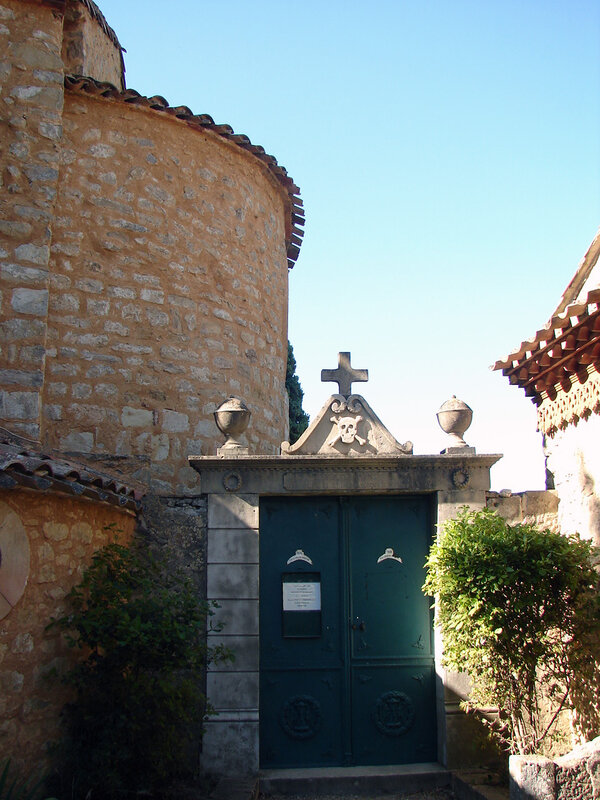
[[232, 418], [454, 418]]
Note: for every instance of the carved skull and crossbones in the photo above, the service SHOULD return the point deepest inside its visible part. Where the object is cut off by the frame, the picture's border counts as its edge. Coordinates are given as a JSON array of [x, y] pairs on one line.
[[347, 430]]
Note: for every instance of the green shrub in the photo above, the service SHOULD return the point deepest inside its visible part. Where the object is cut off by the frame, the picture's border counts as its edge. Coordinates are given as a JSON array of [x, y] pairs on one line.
[[139, 706], [519, 612], [14, 788]]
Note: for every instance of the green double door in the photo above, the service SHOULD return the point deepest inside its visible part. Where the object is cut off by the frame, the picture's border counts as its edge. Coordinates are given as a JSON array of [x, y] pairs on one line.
[[346, 649]]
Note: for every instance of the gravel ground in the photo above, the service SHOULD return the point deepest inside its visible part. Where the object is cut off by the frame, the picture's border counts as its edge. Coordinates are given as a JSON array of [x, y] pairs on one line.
[[439, 794]]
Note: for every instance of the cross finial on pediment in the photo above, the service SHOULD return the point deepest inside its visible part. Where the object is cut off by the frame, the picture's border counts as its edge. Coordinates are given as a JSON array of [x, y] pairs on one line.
[[344, 375]]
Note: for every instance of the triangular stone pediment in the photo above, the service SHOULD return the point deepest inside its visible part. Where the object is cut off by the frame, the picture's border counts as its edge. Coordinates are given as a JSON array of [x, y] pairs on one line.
[[346, 426]]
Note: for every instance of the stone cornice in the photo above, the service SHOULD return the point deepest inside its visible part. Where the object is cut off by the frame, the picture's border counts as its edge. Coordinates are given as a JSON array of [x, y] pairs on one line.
[[336, 462], [344, 475]]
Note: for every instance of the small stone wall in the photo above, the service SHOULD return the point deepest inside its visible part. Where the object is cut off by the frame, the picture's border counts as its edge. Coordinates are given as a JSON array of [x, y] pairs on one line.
[[535, 507], [62, 533], [575, 776]]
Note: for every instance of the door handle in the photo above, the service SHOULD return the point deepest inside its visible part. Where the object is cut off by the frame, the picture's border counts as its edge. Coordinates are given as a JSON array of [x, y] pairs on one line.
[[359, 625]]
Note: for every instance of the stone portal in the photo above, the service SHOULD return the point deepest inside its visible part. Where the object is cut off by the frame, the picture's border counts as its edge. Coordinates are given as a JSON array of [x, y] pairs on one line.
[[349, 463]]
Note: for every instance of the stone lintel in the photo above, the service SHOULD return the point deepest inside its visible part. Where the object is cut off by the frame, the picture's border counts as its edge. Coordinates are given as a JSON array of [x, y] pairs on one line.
[[231, 479]]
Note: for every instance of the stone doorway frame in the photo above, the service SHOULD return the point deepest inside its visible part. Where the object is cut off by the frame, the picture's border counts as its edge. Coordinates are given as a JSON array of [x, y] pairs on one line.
[[233, 487]]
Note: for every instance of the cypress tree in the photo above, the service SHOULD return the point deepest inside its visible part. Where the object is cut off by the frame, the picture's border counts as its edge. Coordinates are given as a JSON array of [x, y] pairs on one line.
[[298, 417]]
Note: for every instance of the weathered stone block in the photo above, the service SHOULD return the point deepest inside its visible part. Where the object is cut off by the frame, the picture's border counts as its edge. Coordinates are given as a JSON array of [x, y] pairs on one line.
[[15, 229], [233, 547], [32, 55], [20, 405], [56, 531], [136, 417], [37, 173], [532, 778], [50, 130], [21, 377], [233, 511], [90, 285], [232, 690], [230, 747], [77, 442], [237, 616], [33, 253], [52, 412], [175, 422], [158, 319], [101, 151], [30, 301], [23, 643], [244, 648], [153, 295], [232, 580]]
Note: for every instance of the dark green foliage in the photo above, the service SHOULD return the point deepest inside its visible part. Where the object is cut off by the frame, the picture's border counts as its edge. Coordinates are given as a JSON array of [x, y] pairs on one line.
[[139, 707], [298, 417], [13, 788], [519, 612]]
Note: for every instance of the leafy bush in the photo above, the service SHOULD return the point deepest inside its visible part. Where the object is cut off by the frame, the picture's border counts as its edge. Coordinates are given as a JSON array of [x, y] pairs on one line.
[[13, 788], [139, 705], [519, 611]]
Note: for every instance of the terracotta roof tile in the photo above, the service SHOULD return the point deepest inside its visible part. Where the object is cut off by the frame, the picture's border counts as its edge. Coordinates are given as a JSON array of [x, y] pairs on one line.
[[20, 466], [564, 352], [81, 83], [558, 322]]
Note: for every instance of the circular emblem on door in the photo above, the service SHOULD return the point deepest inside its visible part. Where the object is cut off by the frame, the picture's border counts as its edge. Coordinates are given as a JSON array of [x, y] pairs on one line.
[[301, 716], [394, 713]]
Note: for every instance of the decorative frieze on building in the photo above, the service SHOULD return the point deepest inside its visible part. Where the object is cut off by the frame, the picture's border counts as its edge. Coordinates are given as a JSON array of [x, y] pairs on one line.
[[568, 407]]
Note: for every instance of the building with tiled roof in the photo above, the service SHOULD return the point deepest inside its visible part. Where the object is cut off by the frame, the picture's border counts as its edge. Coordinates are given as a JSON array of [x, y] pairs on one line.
[[559, 369], [144, 257]]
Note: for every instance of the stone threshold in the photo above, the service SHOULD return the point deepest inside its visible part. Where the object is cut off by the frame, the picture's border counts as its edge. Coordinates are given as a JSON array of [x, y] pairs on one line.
[[404, 778]]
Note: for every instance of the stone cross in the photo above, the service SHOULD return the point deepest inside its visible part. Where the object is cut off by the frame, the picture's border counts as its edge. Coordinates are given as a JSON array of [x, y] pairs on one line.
[[344, 375]]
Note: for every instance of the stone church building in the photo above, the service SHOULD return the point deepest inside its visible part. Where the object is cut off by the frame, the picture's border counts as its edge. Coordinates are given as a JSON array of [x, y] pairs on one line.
[[144, 258]]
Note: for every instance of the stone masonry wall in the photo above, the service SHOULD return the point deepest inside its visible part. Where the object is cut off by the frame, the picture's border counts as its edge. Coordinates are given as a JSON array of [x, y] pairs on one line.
[[574, 459], [575, 776], [169, 291], [535, 507], [143, 270], [63, 534], [87, 50], [31, 101]]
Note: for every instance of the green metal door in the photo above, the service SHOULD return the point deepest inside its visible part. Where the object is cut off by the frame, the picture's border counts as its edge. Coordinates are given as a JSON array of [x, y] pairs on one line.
[[347, 671]]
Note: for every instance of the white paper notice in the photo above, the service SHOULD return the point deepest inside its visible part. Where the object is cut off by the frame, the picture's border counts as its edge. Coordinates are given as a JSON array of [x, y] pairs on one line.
[[301, 596]]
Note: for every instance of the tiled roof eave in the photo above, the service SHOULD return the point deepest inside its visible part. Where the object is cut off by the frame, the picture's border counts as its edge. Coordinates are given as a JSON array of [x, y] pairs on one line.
[[43, 472], [560, 353], [86, 85]]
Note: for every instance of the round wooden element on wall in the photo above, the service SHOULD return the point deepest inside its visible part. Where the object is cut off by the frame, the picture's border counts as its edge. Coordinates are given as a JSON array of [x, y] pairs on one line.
[[14, 559]]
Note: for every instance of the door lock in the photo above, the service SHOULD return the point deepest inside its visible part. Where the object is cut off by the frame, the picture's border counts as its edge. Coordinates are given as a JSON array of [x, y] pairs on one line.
[[359, 625]]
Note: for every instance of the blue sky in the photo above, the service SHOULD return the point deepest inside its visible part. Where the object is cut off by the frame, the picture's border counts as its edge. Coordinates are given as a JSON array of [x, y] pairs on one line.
[[448, 156]]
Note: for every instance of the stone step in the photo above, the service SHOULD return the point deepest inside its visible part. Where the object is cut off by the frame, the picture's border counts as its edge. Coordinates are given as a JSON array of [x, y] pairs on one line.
[[478, 785], [402, 779], [235, 789]]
